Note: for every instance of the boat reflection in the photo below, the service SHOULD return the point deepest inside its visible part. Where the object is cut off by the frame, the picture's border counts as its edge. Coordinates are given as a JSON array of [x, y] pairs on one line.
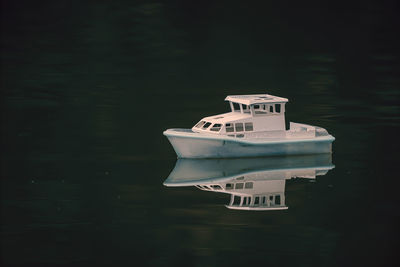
[[253, 183]]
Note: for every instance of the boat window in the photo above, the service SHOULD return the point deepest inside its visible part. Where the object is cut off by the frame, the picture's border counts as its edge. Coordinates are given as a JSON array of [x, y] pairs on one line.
[[259, 109], [278, 108], [246, 109], [248, 185], [231, 135], [271, 109], [264, 200], [236, 107], [248, 126], [239, 127], [246, 201], [206, 125], [239, 186], [240, 135], [216, 187], [236, 200], [277, 199], [229, 186], [256, 200], [199, 124], [229, 127], [216, 127]]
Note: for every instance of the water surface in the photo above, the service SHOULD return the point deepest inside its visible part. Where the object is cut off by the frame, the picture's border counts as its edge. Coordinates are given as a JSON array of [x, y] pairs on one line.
[[88, 88]]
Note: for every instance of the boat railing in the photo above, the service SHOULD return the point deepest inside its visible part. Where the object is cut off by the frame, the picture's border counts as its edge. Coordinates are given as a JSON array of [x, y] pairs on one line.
[[320, 132], [265, 134], [182, 130], [299, 130]]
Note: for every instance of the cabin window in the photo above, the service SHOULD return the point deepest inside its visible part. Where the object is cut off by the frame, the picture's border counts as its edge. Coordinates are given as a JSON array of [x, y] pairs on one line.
[[231, 135], [246, 108], [236, 200], [229, 127], [259, 109], [257, 201], [271, 109], [277, 199], [236, 107], [264, 200], [248, 185], [247, 201], [240, 135], [216, 127], [239, 127], [216, 187], [200, 124], [240, 178], [229, 186], [206, 125], [248, 126], [239, 186], [278, 108]]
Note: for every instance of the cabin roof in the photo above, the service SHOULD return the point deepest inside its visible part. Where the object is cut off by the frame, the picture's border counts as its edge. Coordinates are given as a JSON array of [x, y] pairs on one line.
[[255, 99], [227, 117]]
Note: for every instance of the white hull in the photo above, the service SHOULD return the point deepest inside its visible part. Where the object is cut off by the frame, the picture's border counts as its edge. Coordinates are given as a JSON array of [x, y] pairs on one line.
[[188, 144]]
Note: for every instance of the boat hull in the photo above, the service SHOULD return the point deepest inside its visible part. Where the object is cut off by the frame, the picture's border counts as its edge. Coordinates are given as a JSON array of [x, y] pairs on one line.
[[193, 145]]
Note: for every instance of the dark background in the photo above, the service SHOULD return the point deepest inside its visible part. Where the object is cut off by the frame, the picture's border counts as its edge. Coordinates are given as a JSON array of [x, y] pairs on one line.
[[87, 89]]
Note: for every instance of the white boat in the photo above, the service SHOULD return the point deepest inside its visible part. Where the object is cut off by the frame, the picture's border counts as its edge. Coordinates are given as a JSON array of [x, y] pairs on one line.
[[254, 127], [254, 184]]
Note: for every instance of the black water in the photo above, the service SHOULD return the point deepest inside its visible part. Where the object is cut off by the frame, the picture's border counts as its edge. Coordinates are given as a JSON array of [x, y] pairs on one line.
[[88, 88]]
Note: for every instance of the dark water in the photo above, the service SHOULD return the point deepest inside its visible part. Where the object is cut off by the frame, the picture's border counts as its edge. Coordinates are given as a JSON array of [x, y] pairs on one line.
[[88, 88]]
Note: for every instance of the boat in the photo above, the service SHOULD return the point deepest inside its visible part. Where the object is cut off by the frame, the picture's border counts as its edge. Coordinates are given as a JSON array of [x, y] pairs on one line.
[[256, 184], [254, 127]]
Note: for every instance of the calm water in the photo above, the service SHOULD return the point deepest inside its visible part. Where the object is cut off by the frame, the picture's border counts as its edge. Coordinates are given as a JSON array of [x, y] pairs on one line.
[[87, 90]]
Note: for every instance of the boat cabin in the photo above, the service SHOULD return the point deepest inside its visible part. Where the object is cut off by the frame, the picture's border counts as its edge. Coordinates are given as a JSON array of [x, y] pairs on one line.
[[249, 114]]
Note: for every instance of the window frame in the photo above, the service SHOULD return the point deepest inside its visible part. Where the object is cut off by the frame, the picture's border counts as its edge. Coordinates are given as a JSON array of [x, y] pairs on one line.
[[215, 128], [280, 108], [242, 126], [247, 126], [228, 128], [206, 127], [200, 124]]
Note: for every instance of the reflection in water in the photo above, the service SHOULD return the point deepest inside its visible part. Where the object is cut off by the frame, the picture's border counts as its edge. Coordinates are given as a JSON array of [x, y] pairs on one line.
[[253, 183]]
